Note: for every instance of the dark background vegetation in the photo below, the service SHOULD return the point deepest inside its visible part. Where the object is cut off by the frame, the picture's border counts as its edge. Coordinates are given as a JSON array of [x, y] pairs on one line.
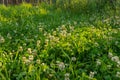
[[69, 4]]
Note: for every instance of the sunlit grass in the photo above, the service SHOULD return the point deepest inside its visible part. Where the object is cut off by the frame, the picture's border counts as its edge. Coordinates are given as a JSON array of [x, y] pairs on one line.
[[37, 43]]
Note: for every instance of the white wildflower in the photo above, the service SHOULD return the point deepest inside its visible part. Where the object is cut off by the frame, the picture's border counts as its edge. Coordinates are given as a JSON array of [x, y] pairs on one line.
[[110, 55], [91, 75], [44, 66], [71, 28], [2, 40], [34, 52], [9, 36], [67, 75], [115, 58], [20, 49], [73, 58], [96, 44], [31, 57], [46, 41], [27, 61], [98, 62], [118, 74], [51, 38], [67, 78], [24, 44], [56, 39], [118, 64], [63, 33], [61, 66], [23, 58], [38, 43], [63, 27], [38, 61], [29, 50]]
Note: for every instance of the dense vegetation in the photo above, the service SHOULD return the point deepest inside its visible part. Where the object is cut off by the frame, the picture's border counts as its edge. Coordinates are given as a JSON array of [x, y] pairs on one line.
[[51, 42]]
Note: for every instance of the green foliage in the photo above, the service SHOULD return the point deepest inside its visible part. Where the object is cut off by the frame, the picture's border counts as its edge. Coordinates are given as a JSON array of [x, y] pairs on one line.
[[44, 43], [86, 6]]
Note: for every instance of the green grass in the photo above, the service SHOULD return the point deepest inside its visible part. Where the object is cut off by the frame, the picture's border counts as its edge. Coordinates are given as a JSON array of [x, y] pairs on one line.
[[43, 43]]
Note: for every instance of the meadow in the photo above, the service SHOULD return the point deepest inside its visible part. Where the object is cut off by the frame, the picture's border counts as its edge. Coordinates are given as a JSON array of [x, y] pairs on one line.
[[48, 43]]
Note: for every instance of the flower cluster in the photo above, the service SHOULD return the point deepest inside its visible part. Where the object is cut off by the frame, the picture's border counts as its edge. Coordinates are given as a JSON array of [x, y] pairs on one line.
[[114, 58], [61, 65], [67, 76]]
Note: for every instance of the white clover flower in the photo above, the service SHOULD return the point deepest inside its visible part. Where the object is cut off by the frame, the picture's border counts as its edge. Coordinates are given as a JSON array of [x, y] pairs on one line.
[[27, 61], [20, 49], [63, 33], [73, 58], [118, 74], [9, 36], [31, 57], [2, 40], [38, 43], [29, 50], [115, 58], [44, 66], [63, 27], [67, 78], [24, 44], [98, 62], [110, 38], [110, 55], [96, 44], [67, 75], [56, 39], [38, 61], [118, 64], [71, 28], [34, 52], [24, 58], [91, 75], [61, 66], [52, 37]]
